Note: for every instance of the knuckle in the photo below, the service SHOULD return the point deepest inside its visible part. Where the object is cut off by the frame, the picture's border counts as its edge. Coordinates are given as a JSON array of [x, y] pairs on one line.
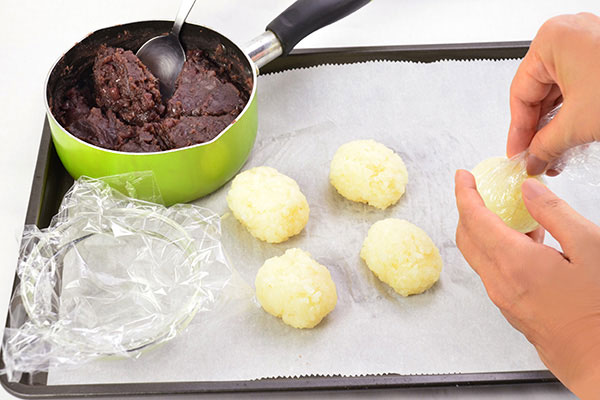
[[466, 216], [464, 219], [545, 146], [554, 203], [495, 296], [558, 24], [585, 20], [563, 29], [516, 101], [513, 92], [550, 25], [586, 15], [459, 236]]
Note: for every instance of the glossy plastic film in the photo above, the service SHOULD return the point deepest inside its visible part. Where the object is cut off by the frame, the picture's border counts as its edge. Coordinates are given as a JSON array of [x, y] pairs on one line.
[[499, 183], [580, 163], [111, 275], [499, 179]]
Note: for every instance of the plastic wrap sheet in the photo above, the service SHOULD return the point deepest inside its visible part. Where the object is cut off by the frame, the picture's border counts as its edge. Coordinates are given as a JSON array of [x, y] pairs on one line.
[[499, 181], [581, 164], [438, 117], [111, 276]]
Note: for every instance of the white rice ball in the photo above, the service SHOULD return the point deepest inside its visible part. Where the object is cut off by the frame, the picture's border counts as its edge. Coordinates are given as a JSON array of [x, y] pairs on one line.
[[269, 204], [402, 255], [499, 184], [296, 288], [368, 172]]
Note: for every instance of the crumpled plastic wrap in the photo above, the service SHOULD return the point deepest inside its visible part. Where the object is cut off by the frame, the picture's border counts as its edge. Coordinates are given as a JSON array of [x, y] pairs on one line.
[[580, 163], [111, 275], [499, 179]]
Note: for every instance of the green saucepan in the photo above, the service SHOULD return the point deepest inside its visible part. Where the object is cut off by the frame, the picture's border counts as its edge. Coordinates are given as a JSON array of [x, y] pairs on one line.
[[191, 172]]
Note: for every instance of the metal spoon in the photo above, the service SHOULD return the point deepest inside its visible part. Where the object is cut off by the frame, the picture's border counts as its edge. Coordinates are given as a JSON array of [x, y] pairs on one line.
[[164, 55]]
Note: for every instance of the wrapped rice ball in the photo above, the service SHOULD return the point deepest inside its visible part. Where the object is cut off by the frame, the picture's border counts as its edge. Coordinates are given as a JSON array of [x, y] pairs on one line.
[[296, 288], [499, 184], [402, 255], [269, 204], [368, 172]]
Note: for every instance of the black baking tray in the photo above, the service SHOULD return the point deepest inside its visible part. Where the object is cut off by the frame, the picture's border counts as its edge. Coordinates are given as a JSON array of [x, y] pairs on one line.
[[51, 181]]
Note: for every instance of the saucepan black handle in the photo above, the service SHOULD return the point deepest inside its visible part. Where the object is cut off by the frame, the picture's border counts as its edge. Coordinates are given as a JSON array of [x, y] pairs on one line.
[[306, 16]]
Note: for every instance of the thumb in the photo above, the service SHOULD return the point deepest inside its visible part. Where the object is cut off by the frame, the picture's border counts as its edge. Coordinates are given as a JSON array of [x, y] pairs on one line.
[[567, 226], [549, 143]]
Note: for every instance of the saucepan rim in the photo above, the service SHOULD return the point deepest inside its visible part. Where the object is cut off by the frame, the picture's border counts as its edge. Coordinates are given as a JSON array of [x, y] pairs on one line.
[[153, 153]]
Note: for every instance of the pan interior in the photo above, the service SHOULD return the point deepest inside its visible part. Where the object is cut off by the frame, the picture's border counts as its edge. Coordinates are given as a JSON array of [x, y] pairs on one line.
[[75, 67]]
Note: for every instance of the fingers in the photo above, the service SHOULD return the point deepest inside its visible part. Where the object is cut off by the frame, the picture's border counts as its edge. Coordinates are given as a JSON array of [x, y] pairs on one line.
[[549, 143], [553, 99], [562, 62], [474, 216], [570, 229], [465, 190], [531, 90], [553, 171], [488, 233], [470, 250], [507, 261]]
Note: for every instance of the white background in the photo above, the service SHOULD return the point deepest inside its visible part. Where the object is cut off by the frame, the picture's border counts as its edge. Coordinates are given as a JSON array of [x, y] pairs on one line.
[[34, 34]]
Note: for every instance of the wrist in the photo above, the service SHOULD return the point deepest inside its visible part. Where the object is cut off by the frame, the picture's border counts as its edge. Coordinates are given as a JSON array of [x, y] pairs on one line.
[[576, 358], [585, 379]]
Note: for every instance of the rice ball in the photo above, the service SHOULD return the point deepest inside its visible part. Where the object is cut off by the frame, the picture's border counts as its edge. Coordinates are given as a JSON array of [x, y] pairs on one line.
[[402, 255], [368, 172], [296, 288], [499, 184], [269, 204]]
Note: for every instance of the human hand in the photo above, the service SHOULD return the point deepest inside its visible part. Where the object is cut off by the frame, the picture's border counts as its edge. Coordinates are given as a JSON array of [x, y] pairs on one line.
[[553, 298], [562, 64]]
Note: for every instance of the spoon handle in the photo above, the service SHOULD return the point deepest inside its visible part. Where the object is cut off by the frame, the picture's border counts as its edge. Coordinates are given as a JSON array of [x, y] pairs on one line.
[[182, 13]]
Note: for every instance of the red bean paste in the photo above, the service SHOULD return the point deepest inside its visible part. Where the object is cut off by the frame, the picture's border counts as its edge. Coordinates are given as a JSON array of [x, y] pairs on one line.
[[124, 110]]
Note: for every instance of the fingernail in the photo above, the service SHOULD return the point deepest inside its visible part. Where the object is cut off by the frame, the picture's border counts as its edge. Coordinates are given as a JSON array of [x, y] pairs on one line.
[[532, 188], [535, 166]]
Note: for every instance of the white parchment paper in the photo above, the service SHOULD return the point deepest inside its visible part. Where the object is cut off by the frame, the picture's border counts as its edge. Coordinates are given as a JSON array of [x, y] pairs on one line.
[[438, 117]]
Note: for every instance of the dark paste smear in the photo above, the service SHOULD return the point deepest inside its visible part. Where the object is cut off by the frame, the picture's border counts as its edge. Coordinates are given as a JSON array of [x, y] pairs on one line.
[[201, 90], [126, 87], [124, 110]]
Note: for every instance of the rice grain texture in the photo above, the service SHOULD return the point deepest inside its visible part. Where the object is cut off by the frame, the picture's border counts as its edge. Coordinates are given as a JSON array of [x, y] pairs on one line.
[[269, 204], [296, 288], [402, 255], [368, 172]]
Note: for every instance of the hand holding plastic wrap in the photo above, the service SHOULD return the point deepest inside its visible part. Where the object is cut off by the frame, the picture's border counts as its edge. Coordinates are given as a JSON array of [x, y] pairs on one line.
[[111, 275], [499, 179], [580, 163]]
